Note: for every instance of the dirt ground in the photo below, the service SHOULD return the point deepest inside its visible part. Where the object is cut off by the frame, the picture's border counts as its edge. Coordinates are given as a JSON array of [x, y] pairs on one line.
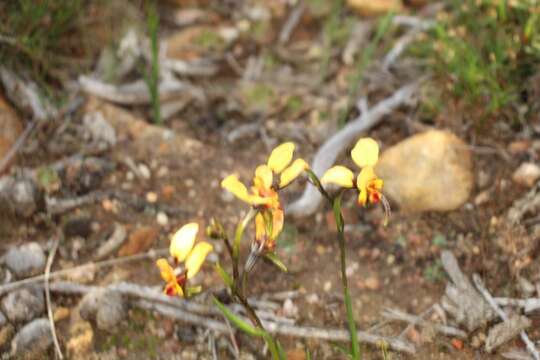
[[175, 169]]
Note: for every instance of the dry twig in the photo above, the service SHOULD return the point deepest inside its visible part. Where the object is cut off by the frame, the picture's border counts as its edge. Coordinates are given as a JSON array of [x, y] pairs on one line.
[[48, 296], [487, 296], [196, 313], [394, 314]]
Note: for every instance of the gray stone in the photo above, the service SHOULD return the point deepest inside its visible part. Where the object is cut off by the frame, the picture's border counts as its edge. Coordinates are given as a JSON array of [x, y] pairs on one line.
[[3, 319], [23, 305], [33, 338], [112, 309], [26, 260], [104, 307]]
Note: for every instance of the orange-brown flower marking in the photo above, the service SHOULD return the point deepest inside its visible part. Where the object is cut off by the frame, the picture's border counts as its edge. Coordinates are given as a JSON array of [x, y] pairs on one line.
[[269, 178], [184, 250]]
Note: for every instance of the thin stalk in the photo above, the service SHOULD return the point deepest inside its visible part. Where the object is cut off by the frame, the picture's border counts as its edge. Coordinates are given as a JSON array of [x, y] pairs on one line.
[[355, 348], [239, 233]]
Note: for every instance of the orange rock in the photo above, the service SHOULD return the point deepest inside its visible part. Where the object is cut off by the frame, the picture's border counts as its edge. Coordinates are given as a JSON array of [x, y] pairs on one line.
[[10, 127], [457, 344], [296, 354], [167, 191], [140, 240], [374, 7]]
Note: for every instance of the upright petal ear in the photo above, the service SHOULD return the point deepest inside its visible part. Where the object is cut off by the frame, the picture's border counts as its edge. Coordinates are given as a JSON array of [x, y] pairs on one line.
[[263, 176], [234, 186], [365, 152], [281, 157], [338, 175], [292, 172], [196, 258], [183, 240]]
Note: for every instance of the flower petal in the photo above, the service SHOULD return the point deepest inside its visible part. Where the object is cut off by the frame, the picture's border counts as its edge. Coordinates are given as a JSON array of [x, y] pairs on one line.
[[166, 270], [292, 172], [366, 175], [362, 197], [263, 177], [183, 240], [365, 152], [277, 223], [234, 186], [339, 175], [197, 257], [172, 289], [260, 228], [281, 157]]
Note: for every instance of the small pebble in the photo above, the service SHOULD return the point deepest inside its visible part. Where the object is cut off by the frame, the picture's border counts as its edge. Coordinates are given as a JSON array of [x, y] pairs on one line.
[[151, 197], [327, 286], [144, 171], [23, 304], [162, 218], [527, 174], [33, 338], [26, 260]]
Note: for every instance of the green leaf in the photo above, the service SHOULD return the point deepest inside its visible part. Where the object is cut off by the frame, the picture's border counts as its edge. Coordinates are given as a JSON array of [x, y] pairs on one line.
[[227, 279], [276, 261], [193, 290], [238, 322]]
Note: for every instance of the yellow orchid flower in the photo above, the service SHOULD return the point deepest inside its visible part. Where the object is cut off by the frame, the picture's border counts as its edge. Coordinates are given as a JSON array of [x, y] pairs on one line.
[[264, 191], [365, 154], [183, 249]]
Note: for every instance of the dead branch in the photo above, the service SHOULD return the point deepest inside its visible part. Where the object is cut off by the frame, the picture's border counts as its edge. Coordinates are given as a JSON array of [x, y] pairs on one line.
[[151, 254], [113, 242], [16, 146], [397, 315], [292, 21], [461, 299], [528, 305], [487, 296], [48, 297], [135, 93], [195, 313], [327, 154], [505, 331]]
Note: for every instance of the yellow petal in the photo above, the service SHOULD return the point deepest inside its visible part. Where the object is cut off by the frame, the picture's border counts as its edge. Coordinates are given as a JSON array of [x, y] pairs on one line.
[[260, 228], [166, 270], [277, 223], [281, 157], [196, 258], [362, 197], [366, 175], [263, 177], [292, 172], [234, 186], [339, 175], [183, 240], [365, 152]]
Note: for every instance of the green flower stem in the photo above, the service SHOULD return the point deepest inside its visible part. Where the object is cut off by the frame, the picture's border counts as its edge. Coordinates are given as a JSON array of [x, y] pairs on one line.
[[335, 202], [355, 348], [238, 288]]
